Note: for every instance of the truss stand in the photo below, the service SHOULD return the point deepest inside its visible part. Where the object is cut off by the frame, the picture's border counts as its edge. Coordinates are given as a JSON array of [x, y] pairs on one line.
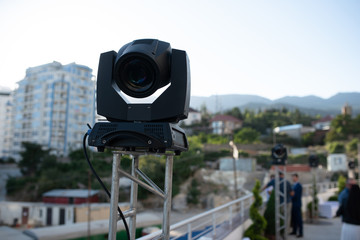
[[314, 211], [280, 207], [146, 183]]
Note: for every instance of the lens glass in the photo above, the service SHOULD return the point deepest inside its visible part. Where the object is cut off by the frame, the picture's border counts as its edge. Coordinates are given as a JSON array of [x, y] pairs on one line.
[[137, 75], [279, 152]]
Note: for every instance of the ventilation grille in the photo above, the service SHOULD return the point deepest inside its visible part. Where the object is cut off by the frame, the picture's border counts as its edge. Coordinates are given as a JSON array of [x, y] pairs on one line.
[[105, 128], [155, 130]]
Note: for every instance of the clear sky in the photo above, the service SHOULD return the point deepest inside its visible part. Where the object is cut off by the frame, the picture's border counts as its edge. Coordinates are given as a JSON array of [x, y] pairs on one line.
[[268, 48]]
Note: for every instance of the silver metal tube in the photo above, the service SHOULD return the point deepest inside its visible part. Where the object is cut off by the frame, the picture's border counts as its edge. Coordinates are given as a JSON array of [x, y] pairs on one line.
[[144, 185], [230, 216], [213, 225], [277, 203], [167, 200], [149, 181], [133, 196], [189, 231], [128, 213], [114, 196]]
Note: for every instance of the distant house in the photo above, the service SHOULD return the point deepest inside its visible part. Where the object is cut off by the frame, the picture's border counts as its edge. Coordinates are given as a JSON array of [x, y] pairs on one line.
[[225, 124], [35, 214], [193, 117], [242, 164], [337, 162], [71, 196], [294, 131], [323, 123], [38, 214], [346, 109]]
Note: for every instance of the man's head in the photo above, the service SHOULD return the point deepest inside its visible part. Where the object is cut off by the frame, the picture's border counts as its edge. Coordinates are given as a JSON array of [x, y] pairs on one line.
[[272, 176], [295, 177], [350, 182]]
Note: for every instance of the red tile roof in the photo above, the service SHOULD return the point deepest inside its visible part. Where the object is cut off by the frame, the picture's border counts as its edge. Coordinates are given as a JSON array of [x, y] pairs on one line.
[[294, 168], [324, 119], [225, 118]]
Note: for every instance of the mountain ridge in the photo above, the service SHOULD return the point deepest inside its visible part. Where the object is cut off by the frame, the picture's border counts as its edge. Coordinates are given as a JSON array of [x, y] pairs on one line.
[[310, 104]]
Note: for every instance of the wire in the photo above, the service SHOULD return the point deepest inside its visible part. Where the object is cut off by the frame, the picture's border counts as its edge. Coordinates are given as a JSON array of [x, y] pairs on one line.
[[102, 184]]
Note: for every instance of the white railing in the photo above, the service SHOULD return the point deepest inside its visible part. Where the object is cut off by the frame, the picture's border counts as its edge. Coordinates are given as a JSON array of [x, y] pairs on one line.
[[222, 220], [214, 222], [321, 187]]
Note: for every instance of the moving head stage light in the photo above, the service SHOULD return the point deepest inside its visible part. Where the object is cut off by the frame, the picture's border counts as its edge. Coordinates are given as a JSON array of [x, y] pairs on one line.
[[279, 154], [314, 161], [143, 91]]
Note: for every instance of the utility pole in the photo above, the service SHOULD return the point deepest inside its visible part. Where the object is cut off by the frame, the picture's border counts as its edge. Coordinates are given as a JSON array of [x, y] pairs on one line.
[[235, 157]]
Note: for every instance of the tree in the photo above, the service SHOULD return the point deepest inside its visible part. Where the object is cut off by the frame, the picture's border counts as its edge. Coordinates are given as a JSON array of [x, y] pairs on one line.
[[193, 192], [32, 157], [235, 112], [256, 230], [352, 147], [340, 128], [246, 135], [336, 147], [308, 139]]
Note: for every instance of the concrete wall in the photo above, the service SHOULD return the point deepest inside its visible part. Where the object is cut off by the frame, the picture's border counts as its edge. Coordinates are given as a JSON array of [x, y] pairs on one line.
[[37, 215]]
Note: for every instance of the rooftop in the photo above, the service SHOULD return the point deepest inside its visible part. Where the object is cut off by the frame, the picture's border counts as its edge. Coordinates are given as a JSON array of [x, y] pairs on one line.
[[225, 118], [76, 193]]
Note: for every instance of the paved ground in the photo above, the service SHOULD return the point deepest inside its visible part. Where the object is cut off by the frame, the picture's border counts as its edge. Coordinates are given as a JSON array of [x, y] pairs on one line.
[[325, 229]]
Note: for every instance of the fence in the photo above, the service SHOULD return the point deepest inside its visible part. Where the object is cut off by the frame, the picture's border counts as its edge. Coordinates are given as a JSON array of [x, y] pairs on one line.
[[219, 222]]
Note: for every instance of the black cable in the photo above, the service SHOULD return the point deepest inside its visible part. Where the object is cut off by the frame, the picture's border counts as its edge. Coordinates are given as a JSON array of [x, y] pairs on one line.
[[103, 185]]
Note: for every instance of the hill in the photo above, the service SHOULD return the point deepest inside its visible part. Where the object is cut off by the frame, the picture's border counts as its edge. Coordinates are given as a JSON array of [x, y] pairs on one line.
[[311, 104]]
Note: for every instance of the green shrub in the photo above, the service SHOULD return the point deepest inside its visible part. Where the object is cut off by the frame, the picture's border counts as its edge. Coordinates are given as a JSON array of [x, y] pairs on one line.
[[269, 215], [256, 230], [341, 183], [333, 198]]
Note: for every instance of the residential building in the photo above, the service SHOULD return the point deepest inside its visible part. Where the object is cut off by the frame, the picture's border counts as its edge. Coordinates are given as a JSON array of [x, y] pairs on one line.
[[225, 124], [346, 109], [193, 117], [241, 164], [323, 123], [5, 122], [52, 105], [38, 214], [337, 162], [294, 131]]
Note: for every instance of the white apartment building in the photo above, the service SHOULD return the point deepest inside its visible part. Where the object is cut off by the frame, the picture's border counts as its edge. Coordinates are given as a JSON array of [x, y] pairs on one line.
[[52, 105], [5, 122]]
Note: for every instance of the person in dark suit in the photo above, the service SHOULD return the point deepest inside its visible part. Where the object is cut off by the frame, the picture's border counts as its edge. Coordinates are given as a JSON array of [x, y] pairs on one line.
[[296, 214]]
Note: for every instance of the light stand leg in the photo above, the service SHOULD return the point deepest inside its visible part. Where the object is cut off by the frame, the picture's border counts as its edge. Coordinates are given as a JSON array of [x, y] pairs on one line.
[[277, 204], [133, 196], [114, 196], [167, 200]]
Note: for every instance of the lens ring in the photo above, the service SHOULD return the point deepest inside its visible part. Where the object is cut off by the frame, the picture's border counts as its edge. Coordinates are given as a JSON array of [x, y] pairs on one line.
[[136, 76]]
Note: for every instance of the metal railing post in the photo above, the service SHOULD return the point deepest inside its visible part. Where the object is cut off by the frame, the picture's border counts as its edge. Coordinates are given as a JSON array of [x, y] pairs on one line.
[[213, 224], [167, 200], [242, 210], [189, 231], [133, 196], [114, 196], [230, 216]]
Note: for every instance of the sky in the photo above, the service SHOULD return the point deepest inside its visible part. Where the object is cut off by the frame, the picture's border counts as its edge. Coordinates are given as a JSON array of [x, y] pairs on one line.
[[267, 48]]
